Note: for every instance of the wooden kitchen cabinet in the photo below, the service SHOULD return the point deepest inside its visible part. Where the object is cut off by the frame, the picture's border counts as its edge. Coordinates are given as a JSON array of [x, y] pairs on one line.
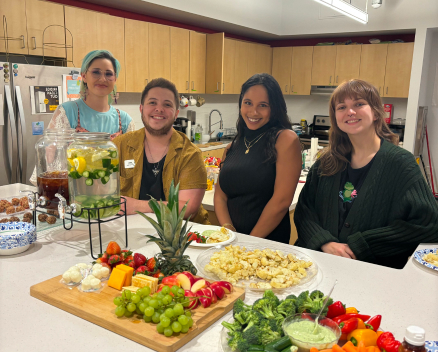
[[398, 70], [136, 47], [15, 13], [251, 55], [159, 56], [39, 16], [214, 64], [323, 67], [263, 58], [198, 54], [179, 58], [281, 67], [301, 71], [240, 65], [228, 66], [373, 65], [101, 31], [347, 63], [217, 153]]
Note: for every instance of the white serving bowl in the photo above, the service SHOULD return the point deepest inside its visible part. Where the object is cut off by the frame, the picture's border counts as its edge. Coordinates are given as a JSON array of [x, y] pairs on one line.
[[16, 237]]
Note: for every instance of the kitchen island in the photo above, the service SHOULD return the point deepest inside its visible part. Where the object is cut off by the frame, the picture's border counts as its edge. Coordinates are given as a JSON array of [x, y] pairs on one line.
[[403, 297]]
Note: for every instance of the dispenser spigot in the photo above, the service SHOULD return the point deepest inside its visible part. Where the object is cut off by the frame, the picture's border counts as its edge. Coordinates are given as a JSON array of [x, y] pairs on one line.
[[63, 207]]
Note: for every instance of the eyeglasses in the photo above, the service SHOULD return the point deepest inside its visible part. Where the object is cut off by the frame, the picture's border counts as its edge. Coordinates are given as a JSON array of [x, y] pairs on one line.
[[109, 75]]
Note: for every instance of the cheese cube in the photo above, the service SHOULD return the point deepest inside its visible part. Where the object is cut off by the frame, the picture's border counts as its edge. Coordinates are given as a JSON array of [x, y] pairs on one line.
[[129, 272], [133, 289], [141, 280], [117, 279]]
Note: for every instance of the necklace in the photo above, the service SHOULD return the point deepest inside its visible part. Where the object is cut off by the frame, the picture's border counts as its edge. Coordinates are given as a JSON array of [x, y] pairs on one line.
[[156, 170], [248, 144]]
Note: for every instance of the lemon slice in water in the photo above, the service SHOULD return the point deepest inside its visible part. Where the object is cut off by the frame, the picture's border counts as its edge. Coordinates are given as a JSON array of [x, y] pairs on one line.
[[80, 164]]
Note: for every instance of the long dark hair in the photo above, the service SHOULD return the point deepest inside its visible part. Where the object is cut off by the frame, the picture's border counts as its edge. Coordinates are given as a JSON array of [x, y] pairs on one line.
[[278, 118], [334, 158]]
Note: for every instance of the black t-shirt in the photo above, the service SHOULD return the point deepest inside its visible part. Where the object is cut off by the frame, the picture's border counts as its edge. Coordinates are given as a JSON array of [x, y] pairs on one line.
[[351, 183], [151, 184]]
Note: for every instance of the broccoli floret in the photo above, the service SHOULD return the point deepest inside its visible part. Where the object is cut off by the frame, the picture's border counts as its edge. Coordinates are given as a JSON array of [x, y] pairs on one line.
[[267, 335], [237, 342], [240, 306], [265, 307], [312, 303], [252, 334], [243, 316], [287, 307], [232, 327], [316, 295], [271, 295], [292, 297]]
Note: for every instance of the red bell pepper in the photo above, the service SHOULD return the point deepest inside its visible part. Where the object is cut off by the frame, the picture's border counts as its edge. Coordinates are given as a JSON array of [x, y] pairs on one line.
[[336, 309], [344, 317], [387, 342], [374, 323], [349, 325]]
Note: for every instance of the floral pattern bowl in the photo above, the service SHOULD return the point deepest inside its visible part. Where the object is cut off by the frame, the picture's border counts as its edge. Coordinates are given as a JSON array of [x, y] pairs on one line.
[[16, 237]]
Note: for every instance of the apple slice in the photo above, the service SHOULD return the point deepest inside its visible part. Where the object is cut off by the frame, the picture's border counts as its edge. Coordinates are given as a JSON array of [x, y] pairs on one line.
[[170, 281], [198, 285], [204, 297], [218, 290], [194, 303], [228, 288], [213, 297], [190, 276], [184, 281]]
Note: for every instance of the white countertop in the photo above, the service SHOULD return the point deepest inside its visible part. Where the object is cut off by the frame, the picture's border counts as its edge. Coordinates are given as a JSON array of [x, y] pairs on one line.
[[213, 147], [403, 297]]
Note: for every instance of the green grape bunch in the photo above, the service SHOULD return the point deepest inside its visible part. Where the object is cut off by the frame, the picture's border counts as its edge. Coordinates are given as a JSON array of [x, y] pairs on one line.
[[161, 308]]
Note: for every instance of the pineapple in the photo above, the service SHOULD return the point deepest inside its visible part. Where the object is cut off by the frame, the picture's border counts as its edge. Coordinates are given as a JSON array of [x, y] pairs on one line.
[[173, 240]]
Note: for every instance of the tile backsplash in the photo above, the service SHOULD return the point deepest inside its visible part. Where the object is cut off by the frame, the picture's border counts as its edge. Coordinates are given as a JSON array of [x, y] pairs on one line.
[[298, 107]]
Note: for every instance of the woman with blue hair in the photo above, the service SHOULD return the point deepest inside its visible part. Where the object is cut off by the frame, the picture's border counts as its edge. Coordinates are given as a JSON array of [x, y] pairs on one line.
[[93, 111]]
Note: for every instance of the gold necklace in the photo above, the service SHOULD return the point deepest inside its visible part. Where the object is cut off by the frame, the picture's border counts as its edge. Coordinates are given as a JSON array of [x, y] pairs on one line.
[[254, 141]]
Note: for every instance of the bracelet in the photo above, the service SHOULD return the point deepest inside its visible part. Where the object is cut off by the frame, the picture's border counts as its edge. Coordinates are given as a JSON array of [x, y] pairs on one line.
[[225, 225]]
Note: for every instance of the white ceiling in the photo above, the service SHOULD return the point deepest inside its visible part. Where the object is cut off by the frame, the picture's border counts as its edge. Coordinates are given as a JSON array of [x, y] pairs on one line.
[[285, 19]]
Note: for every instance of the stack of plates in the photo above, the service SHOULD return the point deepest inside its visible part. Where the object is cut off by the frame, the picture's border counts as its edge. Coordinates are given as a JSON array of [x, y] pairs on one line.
[[16, 237]]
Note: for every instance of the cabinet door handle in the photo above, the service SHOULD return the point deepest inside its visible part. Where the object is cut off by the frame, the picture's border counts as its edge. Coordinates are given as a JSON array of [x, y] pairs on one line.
[[285, 89], [193, 85], [223, 87], [147, 81], [386, 90], [336, 79], [22, 41], [188, 87], [34, 43], [217, 86], [330, 82], [292, 89]]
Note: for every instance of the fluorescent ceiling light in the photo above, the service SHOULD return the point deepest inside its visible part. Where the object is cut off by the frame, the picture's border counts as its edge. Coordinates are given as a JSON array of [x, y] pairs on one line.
[[346, 9]]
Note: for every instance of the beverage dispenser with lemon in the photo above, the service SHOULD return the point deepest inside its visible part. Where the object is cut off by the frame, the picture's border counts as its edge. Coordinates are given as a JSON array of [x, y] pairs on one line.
[[94, 176]]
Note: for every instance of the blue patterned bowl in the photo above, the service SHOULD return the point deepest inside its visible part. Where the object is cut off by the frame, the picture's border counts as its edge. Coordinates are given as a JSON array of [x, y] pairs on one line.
[[418, 255], [16, 237]]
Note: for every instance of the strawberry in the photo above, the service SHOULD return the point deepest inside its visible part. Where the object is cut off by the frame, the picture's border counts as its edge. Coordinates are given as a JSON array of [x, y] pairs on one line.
[[131, 264], [192, 236], [128, 259], [125, 254], [151, 264], [142, 269], [114, 259], [104, 258], [113, 248], [139, 259]]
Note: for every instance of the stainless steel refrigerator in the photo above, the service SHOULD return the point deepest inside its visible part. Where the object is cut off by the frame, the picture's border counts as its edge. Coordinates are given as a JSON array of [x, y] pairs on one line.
[[28, 95]]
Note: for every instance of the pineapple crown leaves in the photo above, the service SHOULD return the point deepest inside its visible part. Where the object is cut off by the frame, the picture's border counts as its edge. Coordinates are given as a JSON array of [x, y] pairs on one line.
[[169, 225]]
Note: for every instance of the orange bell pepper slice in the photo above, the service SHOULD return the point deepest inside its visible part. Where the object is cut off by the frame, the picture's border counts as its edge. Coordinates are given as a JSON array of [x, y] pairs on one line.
[[349, 347], [337, 348], [350, 310]]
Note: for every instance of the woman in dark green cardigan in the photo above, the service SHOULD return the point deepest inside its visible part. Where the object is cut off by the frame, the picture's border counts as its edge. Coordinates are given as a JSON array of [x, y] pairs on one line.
[[365, 198]]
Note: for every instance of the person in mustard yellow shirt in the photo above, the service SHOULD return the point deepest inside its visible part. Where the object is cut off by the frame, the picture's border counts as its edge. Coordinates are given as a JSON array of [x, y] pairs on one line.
[[152, 157]]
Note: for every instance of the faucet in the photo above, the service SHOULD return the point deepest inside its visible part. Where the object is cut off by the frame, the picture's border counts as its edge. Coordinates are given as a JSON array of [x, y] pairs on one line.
[[221, 123]]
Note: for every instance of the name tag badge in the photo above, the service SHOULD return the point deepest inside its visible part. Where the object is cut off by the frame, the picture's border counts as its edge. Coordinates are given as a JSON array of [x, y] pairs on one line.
[[129, 164]]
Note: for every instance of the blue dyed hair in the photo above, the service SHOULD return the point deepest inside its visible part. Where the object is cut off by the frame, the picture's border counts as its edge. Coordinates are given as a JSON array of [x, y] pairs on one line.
[[99, 54]]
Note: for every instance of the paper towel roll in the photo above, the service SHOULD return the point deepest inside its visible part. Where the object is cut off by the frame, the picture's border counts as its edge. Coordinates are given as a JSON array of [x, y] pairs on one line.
[[313, 150], [189, 130]]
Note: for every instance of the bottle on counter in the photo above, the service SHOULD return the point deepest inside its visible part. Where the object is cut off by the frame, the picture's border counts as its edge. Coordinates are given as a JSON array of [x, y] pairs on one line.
[[303, 124], [198, 134], [414, 340]]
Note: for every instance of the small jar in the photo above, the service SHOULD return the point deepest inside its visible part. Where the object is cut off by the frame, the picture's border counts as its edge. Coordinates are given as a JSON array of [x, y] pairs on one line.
[[94, 176], [51, 164]]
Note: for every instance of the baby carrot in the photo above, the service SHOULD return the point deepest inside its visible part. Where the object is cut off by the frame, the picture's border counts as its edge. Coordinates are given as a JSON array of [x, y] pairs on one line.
[[349, 347], [314, 349], [337, 348]]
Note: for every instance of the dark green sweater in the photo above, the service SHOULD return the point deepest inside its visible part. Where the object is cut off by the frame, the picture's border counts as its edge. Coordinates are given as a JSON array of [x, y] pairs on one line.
[[394, 212]]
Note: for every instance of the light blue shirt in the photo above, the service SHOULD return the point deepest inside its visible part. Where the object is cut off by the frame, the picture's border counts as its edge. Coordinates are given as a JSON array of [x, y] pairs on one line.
[[95, 121]]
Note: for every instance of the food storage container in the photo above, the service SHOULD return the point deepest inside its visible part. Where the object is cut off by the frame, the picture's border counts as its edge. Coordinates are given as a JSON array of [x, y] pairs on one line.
[[94, 177], [52, 165]]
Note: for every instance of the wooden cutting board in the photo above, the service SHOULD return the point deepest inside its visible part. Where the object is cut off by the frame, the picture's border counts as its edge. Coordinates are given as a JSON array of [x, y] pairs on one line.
[[99, 308]]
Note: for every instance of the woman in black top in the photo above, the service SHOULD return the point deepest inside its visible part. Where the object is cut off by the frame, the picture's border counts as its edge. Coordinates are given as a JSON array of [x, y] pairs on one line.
[[261, 166]]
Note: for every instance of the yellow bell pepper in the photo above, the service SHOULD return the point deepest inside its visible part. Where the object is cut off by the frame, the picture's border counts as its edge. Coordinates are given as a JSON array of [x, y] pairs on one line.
[[369, 337], [350, 310]]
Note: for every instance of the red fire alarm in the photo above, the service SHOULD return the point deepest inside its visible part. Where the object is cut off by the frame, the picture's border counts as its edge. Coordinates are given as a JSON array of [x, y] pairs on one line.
[[389, 109]]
